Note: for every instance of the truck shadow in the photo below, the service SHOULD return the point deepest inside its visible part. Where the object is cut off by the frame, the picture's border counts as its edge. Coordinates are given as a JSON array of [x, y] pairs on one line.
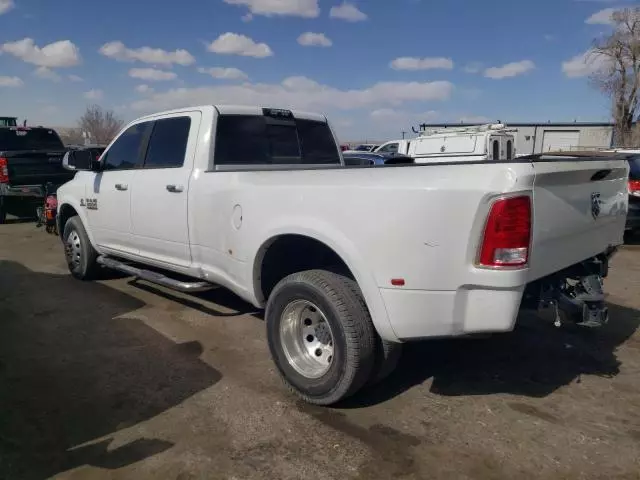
[[74, 370], [534, 360], [207, 302]]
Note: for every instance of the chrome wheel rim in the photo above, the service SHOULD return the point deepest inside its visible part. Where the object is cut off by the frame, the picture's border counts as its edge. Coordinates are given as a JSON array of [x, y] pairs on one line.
[[73, 249], [306, 338]]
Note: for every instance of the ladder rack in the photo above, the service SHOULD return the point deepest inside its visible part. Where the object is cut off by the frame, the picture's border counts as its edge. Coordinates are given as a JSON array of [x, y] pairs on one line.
[[498, 127]]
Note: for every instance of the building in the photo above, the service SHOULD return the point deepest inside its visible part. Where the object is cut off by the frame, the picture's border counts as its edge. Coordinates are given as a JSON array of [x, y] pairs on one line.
[[534, 138]]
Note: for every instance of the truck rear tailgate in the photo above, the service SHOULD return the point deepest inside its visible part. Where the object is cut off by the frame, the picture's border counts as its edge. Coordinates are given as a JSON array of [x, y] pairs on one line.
[[36, 167], [579, 210]]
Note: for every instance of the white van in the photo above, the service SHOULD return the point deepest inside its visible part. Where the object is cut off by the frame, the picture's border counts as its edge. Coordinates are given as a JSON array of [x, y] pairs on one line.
[[482, 142]]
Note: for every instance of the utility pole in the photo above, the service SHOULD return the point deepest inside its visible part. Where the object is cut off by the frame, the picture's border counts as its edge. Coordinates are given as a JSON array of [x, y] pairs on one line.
[[403, 133]]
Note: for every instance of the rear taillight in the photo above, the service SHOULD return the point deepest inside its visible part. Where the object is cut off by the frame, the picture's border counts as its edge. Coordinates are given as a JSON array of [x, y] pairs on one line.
[[634, 188], [507, 233], [4, 170]]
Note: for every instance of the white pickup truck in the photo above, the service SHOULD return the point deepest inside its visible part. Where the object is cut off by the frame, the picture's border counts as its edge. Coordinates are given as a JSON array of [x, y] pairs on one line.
[[349, 261]]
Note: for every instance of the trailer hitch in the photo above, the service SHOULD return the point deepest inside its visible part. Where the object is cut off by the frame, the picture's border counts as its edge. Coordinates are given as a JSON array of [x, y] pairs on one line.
[[576, 294]]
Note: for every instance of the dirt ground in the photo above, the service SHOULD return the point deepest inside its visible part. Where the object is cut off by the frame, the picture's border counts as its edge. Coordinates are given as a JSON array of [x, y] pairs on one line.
[[121, 379]]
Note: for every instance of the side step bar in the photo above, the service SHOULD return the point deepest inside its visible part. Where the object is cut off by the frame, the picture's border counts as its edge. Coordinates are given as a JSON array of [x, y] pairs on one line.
[[154, 277]]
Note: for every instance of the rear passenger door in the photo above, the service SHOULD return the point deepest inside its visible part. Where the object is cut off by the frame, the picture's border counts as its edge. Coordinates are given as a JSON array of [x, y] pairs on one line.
[[159, 213]]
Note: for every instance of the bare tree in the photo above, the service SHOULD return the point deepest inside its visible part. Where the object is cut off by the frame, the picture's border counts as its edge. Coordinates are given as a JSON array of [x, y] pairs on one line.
[[619, 77], [102, 125], [70, 136]]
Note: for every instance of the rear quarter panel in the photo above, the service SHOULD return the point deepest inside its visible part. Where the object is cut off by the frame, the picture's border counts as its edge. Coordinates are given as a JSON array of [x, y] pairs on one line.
[[419, 223]]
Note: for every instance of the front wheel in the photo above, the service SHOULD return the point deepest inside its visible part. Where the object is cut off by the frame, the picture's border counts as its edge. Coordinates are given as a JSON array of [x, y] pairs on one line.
[[320, 335], [80, 254]]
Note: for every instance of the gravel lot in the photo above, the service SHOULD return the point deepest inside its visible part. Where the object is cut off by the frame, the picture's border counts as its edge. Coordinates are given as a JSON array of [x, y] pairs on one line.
[[121, 379]]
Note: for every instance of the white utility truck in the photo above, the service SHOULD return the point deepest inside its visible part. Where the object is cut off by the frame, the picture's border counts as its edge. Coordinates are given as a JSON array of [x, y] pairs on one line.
[[349, 261], [456, 144]]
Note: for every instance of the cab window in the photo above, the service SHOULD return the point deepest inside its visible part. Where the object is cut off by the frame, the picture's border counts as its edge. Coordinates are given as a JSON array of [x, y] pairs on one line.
[[126, 152]]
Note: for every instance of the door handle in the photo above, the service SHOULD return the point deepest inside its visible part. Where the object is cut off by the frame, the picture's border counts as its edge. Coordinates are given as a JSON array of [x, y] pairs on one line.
[[121, 186], [175, 188]]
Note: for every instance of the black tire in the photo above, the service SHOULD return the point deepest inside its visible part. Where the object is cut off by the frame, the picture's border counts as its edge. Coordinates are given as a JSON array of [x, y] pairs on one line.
[[386, 360], [340, 301], [80, 254]]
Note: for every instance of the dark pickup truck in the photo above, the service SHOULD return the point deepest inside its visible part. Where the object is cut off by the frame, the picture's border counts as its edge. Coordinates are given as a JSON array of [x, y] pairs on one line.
[[30, 158]]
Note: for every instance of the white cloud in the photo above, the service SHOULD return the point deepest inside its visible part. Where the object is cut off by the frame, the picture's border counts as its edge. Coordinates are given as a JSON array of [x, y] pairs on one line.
[[47, 73], [6, 5], [10, 82], [347, 11], [221, 73], [155, 56], [94, 94], [300, 93], [247, 17], [236, 44], [402, 118], [585, 64], [473, 67], [76, 78], [510, 70], [414, 63], [54, 55], [548, 37], [269, 8], [144, 89], [310, 39], [603, 17], [152, 74]]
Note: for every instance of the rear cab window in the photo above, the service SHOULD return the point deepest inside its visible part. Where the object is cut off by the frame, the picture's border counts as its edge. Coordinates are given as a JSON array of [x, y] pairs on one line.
[[29, 138], [244, 140]]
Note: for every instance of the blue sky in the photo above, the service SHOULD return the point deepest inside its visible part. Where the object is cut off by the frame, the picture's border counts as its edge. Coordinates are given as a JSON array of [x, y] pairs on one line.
[[374, 67]]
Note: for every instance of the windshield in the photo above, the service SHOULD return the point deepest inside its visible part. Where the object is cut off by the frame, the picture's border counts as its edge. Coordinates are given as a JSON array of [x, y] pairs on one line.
[[634, 163], [29, 139]]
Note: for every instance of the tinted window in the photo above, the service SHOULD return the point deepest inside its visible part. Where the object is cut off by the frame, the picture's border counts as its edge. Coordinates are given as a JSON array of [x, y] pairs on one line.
[[29, 139], [634, 163], [256, 140], [317, 143], [391, 148], [125, 153], [283, 143], [496, 150], [509, 150], [168, 143]]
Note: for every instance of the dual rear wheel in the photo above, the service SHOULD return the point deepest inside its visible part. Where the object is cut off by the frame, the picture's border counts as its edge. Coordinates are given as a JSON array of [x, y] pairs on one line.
[[322, 338]]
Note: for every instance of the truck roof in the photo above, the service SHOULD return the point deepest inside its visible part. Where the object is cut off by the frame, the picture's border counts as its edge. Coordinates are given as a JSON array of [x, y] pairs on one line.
[[240, 110]]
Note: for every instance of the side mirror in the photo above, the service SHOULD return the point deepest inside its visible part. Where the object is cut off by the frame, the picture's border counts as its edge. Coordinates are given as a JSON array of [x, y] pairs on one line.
[[80, 160]]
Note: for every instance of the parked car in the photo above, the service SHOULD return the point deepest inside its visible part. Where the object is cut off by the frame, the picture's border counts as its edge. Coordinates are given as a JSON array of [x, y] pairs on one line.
[[365, 147], [460, 144], [367, 158], [349, 262], [30, 157]]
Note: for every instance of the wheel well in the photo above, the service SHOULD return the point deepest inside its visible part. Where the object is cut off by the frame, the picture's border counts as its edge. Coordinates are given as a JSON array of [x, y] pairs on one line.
[[66, 212], [287, 254]]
